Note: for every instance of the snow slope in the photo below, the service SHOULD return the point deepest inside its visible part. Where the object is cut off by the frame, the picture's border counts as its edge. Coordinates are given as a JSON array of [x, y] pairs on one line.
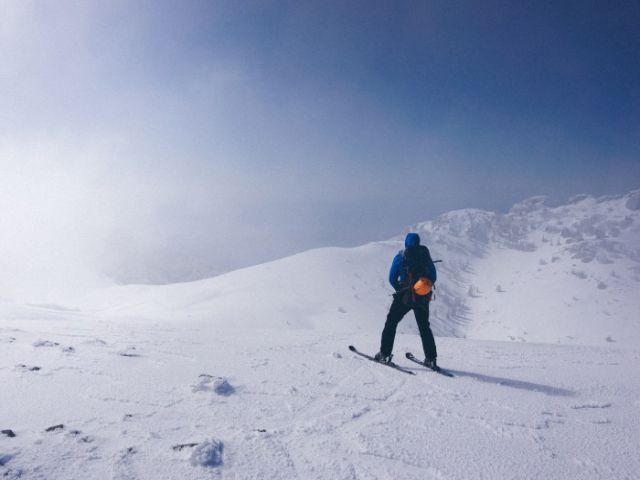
[[248, 375], [564, 274], [129, 400]]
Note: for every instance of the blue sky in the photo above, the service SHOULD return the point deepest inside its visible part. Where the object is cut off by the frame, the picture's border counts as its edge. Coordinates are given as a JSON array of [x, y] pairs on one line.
[[193, 137]]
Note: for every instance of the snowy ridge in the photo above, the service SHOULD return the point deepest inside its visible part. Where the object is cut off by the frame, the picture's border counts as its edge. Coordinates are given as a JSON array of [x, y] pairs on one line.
[[567, 274], [563, 274]]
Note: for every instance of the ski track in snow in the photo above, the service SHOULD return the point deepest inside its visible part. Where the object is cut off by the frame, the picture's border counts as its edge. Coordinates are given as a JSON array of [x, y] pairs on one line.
[[297, 410]]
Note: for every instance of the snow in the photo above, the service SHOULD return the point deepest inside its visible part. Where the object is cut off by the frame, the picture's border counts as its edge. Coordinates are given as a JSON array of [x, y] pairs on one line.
[[207, 453], [299, 411], [248, 376], [567, 274]]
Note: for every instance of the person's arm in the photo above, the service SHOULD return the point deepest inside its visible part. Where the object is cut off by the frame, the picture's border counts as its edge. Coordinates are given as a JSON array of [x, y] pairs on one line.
[[394, 273]]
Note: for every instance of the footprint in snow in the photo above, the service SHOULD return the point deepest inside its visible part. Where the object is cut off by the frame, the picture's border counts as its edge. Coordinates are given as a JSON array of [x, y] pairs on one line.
[[123, 467], [77, 435], [260, 363]]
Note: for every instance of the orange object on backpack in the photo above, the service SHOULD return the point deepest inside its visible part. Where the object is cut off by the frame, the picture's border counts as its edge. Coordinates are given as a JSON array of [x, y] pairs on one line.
[[423, 286]]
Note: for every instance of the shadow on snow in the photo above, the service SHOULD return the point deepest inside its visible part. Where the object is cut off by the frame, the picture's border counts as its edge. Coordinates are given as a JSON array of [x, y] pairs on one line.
[[519, 384]]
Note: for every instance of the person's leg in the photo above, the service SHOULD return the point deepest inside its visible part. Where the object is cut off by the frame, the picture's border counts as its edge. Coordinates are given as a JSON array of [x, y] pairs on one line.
[[396, 312], [428, 342]]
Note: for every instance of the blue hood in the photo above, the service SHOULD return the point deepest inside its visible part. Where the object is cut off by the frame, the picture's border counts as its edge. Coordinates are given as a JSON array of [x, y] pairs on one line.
[[412, 240]]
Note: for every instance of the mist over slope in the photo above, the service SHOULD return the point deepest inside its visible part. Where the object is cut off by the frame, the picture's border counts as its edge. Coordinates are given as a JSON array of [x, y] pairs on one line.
[[567, 273]]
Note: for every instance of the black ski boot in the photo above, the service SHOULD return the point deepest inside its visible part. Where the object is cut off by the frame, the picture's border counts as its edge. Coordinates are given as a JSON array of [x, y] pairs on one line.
[[430, 363], [382, 358]]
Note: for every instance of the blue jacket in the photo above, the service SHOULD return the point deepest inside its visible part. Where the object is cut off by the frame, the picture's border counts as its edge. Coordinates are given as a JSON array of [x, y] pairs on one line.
[[397, 274]]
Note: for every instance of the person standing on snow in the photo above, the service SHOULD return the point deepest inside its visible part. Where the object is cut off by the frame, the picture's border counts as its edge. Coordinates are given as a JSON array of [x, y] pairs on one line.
[[412, 276]]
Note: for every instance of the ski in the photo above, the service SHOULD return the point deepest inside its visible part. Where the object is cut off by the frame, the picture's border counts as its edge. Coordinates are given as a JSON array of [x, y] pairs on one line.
[[390, 364], [437, 369]]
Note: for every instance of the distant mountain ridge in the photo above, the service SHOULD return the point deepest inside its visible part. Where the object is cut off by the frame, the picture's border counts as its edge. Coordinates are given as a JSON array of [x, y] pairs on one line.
[[568, 273]]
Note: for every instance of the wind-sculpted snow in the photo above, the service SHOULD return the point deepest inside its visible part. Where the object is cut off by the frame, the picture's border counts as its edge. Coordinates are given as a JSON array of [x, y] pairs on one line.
[[515, 275]]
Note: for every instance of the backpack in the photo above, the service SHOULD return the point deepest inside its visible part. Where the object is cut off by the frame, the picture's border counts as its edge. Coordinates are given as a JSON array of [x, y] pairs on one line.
[[414, 262]]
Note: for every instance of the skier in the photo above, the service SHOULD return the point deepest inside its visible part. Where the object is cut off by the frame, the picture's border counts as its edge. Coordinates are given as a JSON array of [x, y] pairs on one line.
[[412, 276]]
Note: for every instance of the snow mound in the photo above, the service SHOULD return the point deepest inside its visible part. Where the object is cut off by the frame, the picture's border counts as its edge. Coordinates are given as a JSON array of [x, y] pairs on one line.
[[209, 383], [207, 454]]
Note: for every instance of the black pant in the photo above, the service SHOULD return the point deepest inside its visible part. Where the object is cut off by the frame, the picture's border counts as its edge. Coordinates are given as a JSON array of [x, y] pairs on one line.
[[397, 311]]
